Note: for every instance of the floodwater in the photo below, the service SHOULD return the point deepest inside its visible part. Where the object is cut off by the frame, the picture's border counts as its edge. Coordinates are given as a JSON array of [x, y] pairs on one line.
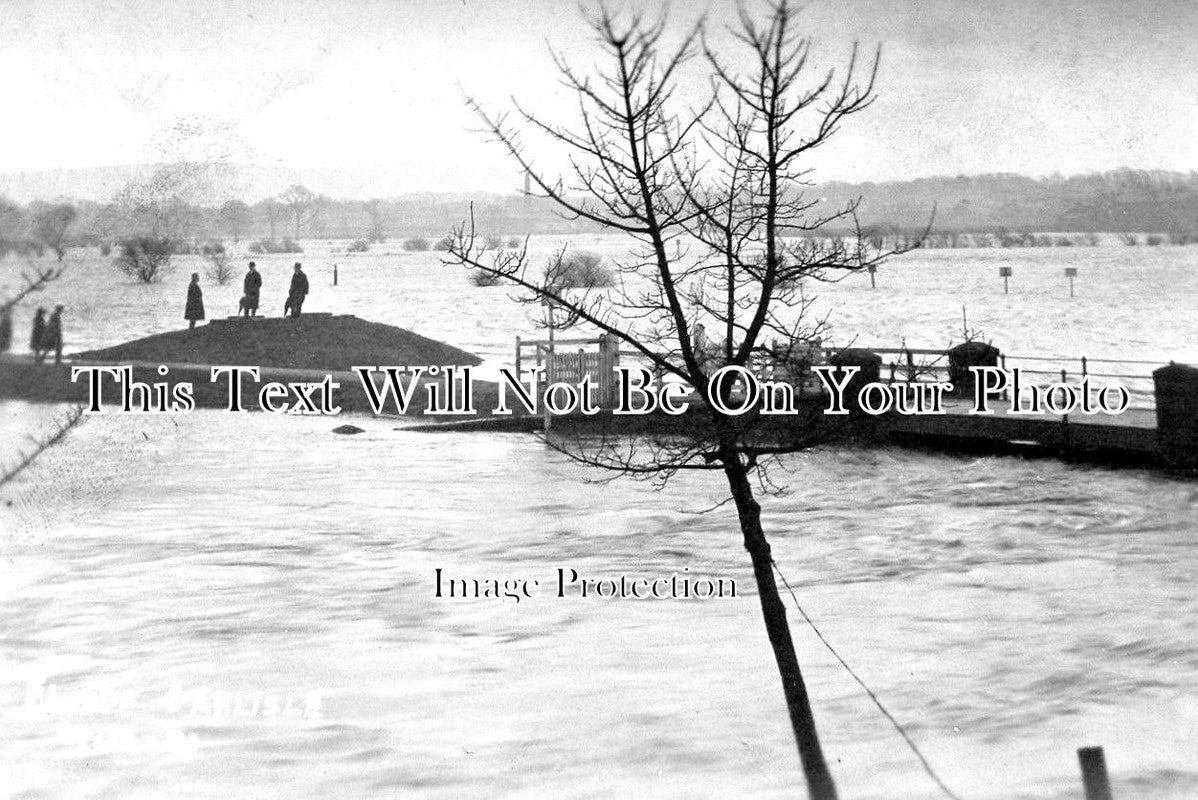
[[1130, 302], [217, 605]]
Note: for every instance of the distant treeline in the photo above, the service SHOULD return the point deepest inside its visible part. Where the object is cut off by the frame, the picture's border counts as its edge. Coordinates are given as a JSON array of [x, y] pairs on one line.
[[296, 214], [1130, 201], [967, 211]]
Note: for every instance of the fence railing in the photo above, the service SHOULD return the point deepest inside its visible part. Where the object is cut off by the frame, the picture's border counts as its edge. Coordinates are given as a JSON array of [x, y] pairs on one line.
[[572, 359]]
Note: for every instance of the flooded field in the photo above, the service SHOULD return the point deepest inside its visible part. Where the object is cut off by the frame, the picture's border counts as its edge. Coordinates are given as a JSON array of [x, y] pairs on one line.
[[216, 605], [1131, 302]]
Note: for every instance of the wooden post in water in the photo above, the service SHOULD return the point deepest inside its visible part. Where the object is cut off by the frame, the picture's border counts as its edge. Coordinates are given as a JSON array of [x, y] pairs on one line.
[[873, 272], [1175, 388], [1094, 777], [1071, 273], [1066, 434], [1005, 272], [550, 369], [334, 274]]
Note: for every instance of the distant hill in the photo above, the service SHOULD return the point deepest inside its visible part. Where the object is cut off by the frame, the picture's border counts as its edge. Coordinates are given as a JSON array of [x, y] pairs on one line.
[[1123, 200], [210, 184]]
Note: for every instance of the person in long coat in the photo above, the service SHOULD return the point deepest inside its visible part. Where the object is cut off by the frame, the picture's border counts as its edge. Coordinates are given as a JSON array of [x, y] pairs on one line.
[[195, 301], [52, 338], [253, 287], [299, 290], [38, 337], [5, 330]]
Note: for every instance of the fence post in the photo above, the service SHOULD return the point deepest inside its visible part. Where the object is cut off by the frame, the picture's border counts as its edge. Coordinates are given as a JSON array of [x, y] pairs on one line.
[[611, 361], [518, 349], [1176, 390], [966, 355], [1066, 434], [1094, 777]]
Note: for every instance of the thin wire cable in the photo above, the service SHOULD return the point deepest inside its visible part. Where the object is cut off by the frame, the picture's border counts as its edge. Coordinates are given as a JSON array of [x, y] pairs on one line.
[[927, 767]]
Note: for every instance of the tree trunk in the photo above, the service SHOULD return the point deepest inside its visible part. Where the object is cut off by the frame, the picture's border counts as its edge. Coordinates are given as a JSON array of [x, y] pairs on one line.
[[815, 769]]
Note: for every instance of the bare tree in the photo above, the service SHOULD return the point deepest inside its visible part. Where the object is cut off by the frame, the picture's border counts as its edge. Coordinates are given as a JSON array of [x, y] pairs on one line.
[[303, 205], [30, 283], [63, 426], [234, 216], [219, 267], [161, 206], [145, 258], [274, 213], [707, 196], [50, 223], [374, 210]]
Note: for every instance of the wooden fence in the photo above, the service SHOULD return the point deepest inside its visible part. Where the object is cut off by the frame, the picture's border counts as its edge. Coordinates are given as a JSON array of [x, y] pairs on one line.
[[569, 361]]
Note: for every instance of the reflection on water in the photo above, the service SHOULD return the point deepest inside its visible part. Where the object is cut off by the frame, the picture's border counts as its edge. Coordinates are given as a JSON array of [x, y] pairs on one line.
[[236, 606]]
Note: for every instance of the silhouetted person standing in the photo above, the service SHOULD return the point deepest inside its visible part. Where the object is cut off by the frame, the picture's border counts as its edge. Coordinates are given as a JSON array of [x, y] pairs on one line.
[[194, 310], [299, 290], [37, 338], [253, 288], [5, 330], [53, 337]]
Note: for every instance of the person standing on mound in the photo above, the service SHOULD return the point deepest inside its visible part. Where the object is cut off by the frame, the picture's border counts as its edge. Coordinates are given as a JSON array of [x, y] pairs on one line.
[[195, 301], [52, 339], [5, 329], [299, 290], [252, 287], [38, 336]]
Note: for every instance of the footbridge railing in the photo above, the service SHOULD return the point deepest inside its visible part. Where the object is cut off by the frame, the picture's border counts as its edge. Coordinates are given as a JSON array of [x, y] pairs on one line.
[[596, 357]]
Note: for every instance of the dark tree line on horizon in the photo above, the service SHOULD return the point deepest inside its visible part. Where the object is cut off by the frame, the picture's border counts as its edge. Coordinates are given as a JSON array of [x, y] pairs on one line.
[[1002, 210]]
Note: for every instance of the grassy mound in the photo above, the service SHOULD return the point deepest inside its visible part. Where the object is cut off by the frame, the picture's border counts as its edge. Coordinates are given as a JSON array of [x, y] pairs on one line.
[[314, 341]]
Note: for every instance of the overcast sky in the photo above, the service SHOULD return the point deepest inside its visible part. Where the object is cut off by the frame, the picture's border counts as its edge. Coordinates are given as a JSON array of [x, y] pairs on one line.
[[1032, 86]]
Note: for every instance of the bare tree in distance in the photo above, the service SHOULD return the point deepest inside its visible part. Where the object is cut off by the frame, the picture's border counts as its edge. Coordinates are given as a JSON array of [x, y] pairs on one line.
[[274, 213], [707, 196], [50, 223], [303, 204], [219, 266], [374, 210], [147, 259], [163, 205], [234, 216]]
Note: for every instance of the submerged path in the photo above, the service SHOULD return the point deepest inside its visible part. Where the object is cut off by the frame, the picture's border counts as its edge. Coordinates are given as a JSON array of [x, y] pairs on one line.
[[320, 348], [1127, 439]]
